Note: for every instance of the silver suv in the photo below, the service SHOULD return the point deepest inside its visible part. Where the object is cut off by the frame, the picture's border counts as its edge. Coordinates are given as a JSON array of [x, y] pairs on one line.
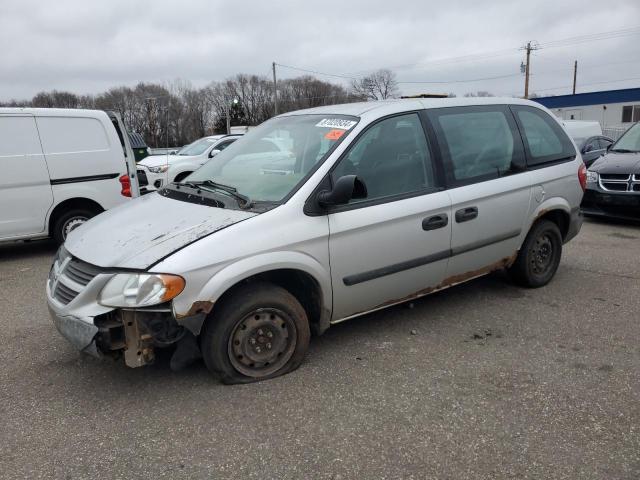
[[363, 206]]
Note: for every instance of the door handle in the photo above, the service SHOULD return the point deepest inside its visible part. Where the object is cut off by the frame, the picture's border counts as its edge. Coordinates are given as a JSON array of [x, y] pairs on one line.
[[435, 222], [466, 214]]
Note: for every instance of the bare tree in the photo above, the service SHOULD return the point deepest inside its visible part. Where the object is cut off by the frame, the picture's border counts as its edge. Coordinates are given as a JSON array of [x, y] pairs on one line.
[[178, 113], [380, 85]]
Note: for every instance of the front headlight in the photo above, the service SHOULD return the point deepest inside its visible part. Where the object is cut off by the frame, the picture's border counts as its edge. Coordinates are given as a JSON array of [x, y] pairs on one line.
[[135, 290], [160, 169], [592, 177]]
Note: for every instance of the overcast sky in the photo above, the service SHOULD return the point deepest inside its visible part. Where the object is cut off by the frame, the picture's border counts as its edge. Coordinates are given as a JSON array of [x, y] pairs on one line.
[[88, 46]]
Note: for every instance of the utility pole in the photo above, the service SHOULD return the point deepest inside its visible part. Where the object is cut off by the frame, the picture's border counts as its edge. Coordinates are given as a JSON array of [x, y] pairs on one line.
[[526, 71], [275, 90], [575, 74], [228, 113]]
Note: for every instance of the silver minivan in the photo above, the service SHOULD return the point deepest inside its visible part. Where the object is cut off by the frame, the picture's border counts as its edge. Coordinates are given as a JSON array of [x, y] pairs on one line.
[[364, 206]]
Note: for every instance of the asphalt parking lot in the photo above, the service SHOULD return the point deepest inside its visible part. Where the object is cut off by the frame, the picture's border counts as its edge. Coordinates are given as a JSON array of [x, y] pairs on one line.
[[485, 380]]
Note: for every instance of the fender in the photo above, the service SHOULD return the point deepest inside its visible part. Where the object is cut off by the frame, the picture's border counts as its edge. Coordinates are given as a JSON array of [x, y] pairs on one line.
[[192, 314], [181, 167], [552, 203]]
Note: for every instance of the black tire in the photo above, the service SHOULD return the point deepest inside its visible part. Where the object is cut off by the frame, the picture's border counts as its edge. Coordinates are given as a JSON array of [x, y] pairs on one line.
[[67, 221], [182, 176], [539, 257], [256, 316]]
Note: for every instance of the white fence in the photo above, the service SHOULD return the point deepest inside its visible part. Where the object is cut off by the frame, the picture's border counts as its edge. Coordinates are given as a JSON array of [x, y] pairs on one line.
[[614, 132]]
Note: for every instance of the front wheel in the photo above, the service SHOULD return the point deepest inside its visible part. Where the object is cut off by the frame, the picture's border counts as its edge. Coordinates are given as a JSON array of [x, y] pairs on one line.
[[260, 332], [539, 256]]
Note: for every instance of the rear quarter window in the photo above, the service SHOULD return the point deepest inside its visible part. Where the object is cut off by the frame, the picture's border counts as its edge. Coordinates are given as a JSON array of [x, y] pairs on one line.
[[478, 143], [72, 135], [544, 139]]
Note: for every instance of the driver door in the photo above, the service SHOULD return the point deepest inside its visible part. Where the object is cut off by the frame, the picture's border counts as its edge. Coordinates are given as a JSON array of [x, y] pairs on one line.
[[393, 244]]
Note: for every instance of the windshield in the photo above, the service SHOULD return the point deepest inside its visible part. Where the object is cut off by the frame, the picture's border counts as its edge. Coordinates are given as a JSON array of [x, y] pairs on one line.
[[268, 163], [630, 141], [198, 147]]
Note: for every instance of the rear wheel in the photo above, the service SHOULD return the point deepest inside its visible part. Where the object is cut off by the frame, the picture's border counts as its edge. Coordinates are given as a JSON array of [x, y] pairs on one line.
[[539, 257], [260, 332], [69, 221]]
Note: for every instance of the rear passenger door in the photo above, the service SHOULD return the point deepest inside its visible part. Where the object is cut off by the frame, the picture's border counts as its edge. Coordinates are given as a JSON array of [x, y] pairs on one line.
[[484, 165], [394, 243], [25, 188]]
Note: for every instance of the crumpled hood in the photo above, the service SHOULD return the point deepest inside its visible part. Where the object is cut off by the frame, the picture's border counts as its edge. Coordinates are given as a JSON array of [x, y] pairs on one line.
[[139, 233], [157, 160], [614, 162]]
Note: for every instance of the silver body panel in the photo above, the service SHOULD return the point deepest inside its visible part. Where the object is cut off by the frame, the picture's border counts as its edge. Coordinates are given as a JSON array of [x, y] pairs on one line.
[[214, 249]]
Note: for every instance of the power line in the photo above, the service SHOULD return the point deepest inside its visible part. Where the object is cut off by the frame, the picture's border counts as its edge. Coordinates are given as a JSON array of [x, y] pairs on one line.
[[588, 84], [486, 55], [316, 72], [593, 37], [464, 81]]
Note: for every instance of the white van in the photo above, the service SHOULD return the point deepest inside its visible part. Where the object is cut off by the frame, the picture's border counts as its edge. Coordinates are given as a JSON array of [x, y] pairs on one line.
[[60, 167]]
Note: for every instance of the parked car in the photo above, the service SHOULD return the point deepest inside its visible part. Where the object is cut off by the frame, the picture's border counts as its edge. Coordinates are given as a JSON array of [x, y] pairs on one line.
[[157, 170], [613, 180], [588, 137], [372, 204], [593, 148], [60, 167]]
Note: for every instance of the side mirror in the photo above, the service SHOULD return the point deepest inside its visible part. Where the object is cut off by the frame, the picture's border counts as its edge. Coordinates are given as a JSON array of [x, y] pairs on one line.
[[609, 146], [587, 148], [214, 152], [346, 188]]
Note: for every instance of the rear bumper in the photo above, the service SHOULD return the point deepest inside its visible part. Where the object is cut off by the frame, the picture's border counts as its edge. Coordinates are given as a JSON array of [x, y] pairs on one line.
[[575, 224]]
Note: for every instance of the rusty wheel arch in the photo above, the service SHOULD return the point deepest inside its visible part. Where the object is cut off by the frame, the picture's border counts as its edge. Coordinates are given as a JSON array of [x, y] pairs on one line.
[[558, 216], [300, 284]]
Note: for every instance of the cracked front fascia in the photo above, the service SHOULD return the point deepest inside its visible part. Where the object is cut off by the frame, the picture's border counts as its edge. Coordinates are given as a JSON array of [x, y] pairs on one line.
[[194, 318]]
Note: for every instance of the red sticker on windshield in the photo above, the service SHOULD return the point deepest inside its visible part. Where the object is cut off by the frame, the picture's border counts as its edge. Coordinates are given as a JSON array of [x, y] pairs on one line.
[[334, 134]]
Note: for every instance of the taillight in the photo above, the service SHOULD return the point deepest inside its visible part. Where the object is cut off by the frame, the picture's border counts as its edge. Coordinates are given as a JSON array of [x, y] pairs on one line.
[[125, 181], [582, 176]]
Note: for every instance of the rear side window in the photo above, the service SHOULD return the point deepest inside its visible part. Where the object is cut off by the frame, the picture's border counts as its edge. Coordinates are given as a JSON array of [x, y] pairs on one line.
[[478, 143], [223, 145], [72, 135], [544, 139], [18, 136], [604, 143]]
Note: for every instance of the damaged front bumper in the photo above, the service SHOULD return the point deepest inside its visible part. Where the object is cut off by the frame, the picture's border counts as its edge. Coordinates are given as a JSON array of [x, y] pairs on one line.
[[80, 332], [133, 334]]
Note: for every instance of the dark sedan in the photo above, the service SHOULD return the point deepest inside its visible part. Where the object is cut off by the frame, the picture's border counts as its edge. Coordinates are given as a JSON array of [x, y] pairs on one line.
[[593, 148], [613, 180]]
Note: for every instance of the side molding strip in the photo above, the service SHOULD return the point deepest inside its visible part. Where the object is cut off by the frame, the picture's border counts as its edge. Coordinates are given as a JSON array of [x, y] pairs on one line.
[[91, 178], [356, 278]]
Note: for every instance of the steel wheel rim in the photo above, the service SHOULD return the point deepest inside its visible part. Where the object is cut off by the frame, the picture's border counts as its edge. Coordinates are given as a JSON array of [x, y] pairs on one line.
[[541, 254], [71, 224], [262, 342]]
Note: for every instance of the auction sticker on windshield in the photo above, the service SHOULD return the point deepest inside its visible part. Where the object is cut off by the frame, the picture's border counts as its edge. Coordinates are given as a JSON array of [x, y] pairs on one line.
[[334, 134], [336, 123]]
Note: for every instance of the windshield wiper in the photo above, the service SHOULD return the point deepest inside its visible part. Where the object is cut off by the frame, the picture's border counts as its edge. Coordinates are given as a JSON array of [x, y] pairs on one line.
[[232, 191], [187, 184], [622, 150]]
